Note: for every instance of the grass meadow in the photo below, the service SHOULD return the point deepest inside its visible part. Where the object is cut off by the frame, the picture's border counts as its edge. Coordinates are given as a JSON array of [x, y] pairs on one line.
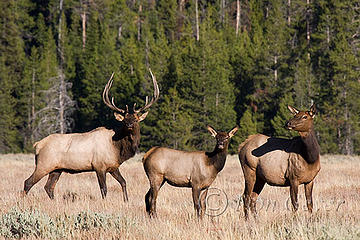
[[78, 212]]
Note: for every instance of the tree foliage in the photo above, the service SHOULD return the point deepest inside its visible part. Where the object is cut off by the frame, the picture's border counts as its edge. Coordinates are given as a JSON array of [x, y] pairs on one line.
[[282, 53]]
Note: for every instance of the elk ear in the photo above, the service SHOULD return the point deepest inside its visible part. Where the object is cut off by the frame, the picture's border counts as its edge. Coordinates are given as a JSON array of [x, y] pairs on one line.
[[212, 131], [143, 116], [118, 116], [233, 131], [293, 110], [312, 111]]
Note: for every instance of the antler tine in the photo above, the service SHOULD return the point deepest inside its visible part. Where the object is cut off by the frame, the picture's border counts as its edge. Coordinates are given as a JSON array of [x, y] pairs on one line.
[[106, 91], [113, 103], [105, 96], [153, 99]]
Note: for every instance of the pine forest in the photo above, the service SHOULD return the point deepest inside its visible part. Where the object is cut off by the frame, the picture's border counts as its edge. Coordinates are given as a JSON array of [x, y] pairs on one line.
[[221, 63]]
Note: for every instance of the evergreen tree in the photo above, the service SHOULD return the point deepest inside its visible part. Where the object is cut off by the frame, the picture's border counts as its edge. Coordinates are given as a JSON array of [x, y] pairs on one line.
[[326, 123], [205, 84], [27, 98], [157, 57], [282, 116], [276, 35], [338, 74], [247, 126], [37, 71], [277, 81], [43, 72], [252, 71], [8, 132], [98, 61], [215, 64], [305, 85], [12, 59], [347, 89], [167, 14], [174, 129]]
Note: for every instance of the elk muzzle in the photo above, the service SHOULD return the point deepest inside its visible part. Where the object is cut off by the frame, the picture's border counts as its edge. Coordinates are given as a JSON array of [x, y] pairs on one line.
[[129, 126], [288, 125]]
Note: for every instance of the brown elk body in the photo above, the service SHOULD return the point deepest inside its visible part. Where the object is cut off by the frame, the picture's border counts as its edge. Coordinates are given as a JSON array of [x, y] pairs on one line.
[[196, 170], [101, 150], [281, 162]]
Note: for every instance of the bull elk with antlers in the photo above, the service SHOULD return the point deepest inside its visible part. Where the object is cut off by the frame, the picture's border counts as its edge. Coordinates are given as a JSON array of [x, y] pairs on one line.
[[101, 150], [282, 162]]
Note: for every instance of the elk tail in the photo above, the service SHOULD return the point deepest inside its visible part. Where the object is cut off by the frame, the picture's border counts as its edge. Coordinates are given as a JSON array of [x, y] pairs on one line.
[[36, 151], [35, 144], [148, 153], [246, 141], [38, 145]]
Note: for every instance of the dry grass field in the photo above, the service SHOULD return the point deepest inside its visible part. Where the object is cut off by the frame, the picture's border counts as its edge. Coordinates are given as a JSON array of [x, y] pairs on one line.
[[78, 212]]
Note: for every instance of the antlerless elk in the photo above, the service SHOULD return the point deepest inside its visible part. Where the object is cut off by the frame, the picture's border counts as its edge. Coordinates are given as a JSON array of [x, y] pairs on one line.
[[281, 162], [196, 170]]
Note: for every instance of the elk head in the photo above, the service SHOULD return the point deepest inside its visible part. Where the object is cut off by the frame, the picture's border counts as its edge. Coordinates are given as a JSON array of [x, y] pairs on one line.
[[130, 119], [222, 138], [302, 120]]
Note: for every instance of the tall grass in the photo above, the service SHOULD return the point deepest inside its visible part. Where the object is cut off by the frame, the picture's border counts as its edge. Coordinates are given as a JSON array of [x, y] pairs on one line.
[[78, 212]]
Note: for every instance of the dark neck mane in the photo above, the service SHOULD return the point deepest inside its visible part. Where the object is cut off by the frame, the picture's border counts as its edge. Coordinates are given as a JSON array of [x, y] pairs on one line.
[[312, 148], [127, 142], [218, 157]]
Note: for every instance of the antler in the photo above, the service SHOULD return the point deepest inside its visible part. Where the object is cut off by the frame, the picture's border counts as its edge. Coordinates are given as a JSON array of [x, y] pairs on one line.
[[154, 99], [106, 99]]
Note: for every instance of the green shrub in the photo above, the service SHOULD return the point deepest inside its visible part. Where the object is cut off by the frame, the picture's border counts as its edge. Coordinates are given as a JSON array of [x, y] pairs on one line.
[[89, 220], [19, 223]]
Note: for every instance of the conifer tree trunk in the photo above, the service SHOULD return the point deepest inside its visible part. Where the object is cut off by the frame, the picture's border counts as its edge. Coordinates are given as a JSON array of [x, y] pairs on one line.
[[119, 32], [180, 20], [347, 141], [32, 116], [147, 50], [327, 34], [238, 12], [62, 90], [197, 20], [222, 11], [275, 70], [139, 24], [83, 24], [308, 21], [289, 13]]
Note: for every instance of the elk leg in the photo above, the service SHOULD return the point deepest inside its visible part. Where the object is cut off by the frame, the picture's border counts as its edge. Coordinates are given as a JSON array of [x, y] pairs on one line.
[[33, 179], [51, 182], [294, 186], [250, 178], [117, 175], [258, 187], [203, 202], [101, 176], [196, 195], [148, 198], [308, 195], [153, 195], [155, 185]]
